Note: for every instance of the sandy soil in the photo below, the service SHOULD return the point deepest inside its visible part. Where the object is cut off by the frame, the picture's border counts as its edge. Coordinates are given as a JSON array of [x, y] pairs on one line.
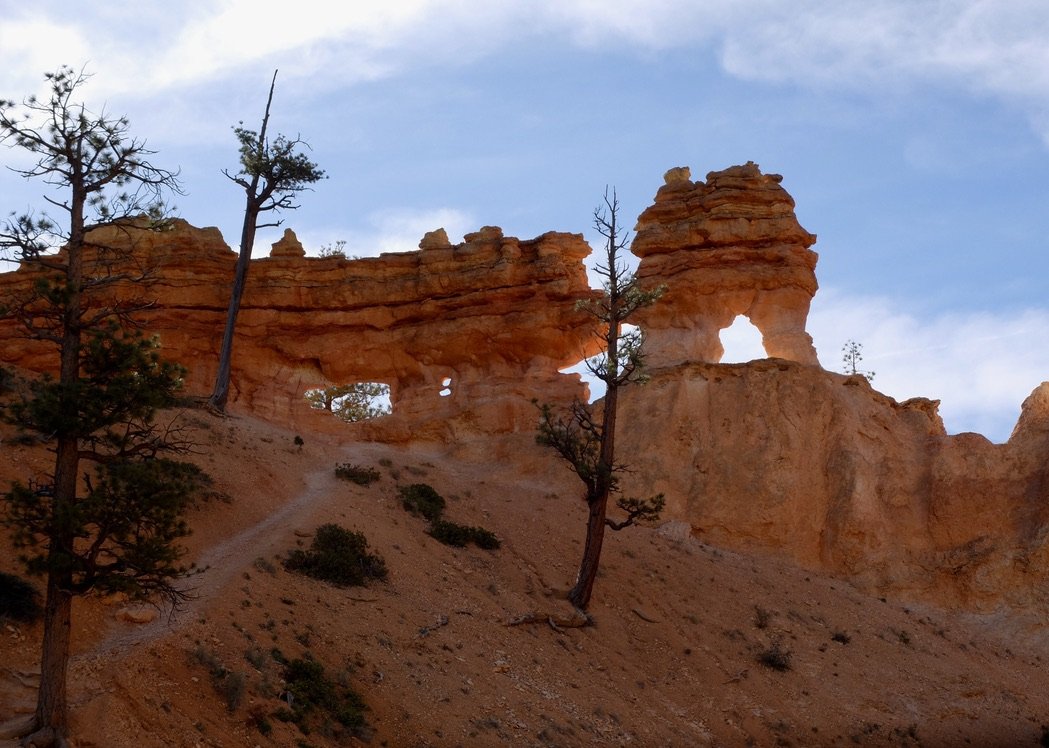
[[673, 660]]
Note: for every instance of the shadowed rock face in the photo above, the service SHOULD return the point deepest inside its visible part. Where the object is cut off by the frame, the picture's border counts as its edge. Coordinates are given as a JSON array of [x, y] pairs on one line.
[[726, 247], [494, 315]]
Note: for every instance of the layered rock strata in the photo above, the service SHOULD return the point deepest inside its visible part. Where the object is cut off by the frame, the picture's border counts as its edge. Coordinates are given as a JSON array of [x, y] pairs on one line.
[[488, 322], [725, 247]]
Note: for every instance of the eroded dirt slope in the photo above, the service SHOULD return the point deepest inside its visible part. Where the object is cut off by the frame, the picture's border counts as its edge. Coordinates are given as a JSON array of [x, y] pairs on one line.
[[672, 660]]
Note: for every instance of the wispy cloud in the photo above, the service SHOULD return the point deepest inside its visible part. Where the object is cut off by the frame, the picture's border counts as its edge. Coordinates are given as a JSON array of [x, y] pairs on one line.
[[396, 230], [980, 365], [991, 46]]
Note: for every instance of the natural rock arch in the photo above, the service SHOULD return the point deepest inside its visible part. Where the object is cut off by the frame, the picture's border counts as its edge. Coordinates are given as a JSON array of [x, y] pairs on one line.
[[726, 247]]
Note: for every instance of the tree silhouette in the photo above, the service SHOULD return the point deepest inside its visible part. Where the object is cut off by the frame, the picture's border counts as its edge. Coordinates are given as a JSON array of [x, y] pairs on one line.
[[114, 528], [271, 175], [587, 441], [851, 355]]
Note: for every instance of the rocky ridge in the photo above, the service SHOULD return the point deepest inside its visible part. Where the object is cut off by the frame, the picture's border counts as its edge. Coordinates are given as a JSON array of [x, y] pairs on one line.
[[777, 455]]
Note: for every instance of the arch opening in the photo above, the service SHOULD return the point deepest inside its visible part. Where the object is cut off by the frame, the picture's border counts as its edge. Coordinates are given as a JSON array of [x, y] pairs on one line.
[[742, 342], [356, 401]]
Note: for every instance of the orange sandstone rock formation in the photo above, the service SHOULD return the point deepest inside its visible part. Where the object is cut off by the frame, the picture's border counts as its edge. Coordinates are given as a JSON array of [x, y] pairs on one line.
[[490, 320], [725, 247], [782, 456], [819, 467], [777, 455]]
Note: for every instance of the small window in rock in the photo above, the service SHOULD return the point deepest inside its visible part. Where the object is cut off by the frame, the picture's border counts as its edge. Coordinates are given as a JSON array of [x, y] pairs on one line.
[[446, 387], [742, 342], [595, 387], [359, 401]]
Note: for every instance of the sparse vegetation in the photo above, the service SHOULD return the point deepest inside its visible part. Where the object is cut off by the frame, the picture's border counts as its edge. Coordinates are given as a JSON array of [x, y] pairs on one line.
[[316, 698], [229, 684], [762, 617], [265, 565], [258, 719], [460, 536], [362, 476], [775, 657], [337, 556], [336, 249], [360, 401], [421, 499], [19, 600], [841, 637]]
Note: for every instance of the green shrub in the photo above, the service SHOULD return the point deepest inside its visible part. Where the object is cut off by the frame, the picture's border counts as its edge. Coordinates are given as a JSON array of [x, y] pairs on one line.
[[232, 687], [313, 692], [19, 600], [362, 476], [775, 657], [422, 499], [338, 556], [459, 536]]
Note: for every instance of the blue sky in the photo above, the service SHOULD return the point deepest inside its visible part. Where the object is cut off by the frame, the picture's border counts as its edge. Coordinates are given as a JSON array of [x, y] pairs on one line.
[[913, 135]]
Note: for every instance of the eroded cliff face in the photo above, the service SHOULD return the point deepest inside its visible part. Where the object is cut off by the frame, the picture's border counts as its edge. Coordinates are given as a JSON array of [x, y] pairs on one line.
[[793, 460], [776, 455], [488, 321], [783, 456]]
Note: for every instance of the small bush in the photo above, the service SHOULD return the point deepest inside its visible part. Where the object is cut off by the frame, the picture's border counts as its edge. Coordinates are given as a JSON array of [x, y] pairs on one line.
[[19, 600], [362, 476], [841, 637], [459, 536], [228, 684], [232, 687], [256, 657], [338, 556], [775, 657], [762, 617], [313, 692], [422, 499]]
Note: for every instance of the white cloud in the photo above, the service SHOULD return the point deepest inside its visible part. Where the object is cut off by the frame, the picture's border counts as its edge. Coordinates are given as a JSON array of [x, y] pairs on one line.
[[980, 365], [992, 47], [29, 46], [397, 230]]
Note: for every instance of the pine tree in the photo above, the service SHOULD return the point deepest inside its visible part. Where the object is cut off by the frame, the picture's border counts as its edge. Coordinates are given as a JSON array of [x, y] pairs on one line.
[[271, 175], [587, 441], [116, 526]]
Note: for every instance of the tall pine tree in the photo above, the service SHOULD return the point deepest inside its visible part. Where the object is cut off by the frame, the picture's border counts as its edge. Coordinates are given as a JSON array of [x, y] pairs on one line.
[[115, 526]]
